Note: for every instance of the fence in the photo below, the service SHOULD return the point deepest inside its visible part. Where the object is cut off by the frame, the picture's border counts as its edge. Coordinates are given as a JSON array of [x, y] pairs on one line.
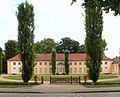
[[65, 80]]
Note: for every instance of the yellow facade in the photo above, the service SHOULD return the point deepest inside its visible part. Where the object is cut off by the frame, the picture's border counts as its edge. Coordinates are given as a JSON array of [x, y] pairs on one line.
[[75, 67]]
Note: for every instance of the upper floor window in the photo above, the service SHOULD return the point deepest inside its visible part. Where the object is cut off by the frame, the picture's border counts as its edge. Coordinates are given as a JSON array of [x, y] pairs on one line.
[[14, 63], [60, 63], [105, 62], [80, 63], [35, 64], [45, 63], [50, 63], [40, 63], [70, 63], [84, 63], [19, 63], [75, 63]]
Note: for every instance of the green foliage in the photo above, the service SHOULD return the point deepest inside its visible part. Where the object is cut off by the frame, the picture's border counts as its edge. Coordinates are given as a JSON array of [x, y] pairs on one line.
[[53, 62], [67, 43], [26, 28], [94, 42], [0, 60], [44, 46], [10, 49], [4, 63], [66, 62], [107, 5]]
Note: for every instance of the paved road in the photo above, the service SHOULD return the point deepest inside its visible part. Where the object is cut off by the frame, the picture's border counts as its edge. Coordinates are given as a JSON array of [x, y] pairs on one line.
[[113, 94]]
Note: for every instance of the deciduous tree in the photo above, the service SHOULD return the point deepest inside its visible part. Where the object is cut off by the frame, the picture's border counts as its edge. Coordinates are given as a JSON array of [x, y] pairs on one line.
[[53, 61], [94, 42], [66, 62], [25, 16]]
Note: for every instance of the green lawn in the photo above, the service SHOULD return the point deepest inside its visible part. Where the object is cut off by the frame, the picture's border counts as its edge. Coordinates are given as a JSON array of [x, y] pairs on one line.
[[110, 85], [47, 77], [14, 86]]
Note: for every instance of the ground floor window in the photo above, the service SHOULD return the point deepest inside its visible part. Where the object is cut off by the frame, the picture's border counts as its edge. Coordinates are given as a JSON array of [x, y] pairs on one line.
[[70, 70], [80, 70], [35, 70], [75, 70], [45, 70], [40, 70]]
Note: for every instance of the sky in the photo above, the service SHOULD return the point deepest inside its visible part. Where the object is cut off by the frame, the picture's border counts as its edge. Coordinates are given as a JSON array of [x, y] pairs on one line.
[[56, 19]]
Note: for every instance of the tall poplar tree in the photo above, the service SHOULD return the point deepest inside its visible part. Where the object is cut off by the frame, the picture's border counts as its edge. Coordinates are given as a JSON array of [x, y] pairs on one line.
[[66, 62], [0, 60], [26, 28], [53, 61], [94, 42]]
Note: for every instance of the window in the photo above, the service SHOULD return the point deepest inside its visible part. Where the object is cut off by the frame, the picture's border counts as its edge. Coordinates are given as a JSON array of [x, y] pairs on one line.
[[35, 70], [80, 63], [75, 70], [84, 63], [40, 63], [19, 70], [14, 63], [105, 67], [85, 70], [70, 63], [75, 63], [57, 70], [80, 70], [45, 70], [116, 66], [40, 70], [45, 63], [105, 62], [63, 69], [50, 70], [50, 63], [35, 64], [70, 70], [19, 63], [60, 69]]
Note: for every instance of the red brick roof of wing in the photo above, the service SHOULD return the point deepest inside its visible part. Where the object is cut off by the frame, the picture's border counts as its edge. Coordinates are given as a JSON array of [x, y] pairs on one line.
[[115, 60], [59, 57]]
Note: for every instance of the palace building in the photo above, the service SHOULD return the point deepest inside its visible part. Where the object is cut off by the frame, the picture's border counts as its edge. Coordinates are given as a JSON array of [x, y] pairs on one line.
[[77, 65]]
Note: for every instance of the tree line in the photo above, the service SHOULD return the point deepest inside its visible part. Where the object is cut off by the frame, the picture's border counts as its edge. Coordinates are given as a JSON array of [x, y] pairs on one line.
[[44, 46]]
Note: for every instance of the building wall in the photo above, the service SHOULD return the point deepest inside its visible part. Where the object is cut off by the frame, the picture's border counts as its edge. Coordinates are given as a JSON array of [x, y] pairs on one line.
[[115, 68], [106, 67], [45, 67]]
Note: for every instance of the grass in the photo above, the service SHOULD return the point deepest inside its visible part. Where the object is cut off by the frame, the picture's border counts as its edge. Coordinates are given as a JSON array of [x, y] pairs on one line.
[[115, 84], [47, 77], [13, 86], [16, 86]]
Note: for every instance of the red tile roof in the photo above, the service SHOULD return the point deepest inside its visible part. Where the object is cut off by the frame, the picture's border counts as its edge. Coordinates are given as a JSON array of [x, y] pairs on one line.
[[115, 60], [59, 57]]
